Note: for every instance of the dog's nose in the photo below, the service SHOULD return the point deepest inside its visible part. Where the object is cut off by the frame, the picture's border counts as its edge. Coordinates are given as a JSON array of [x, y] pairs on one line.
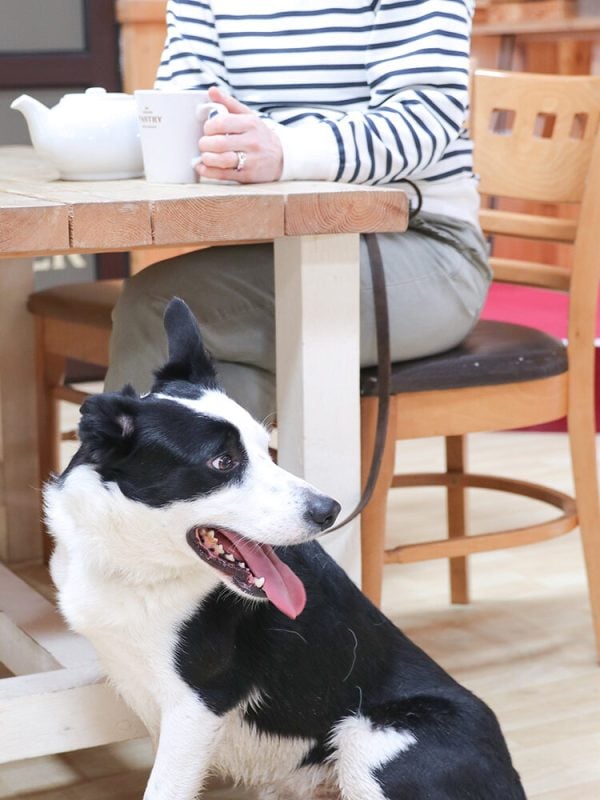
[[322, 510]]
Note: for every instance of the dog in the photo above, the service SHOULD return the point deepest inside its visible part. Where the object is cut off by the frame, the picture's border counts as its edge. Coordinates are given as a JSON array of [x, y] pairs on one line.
[[188, 558]]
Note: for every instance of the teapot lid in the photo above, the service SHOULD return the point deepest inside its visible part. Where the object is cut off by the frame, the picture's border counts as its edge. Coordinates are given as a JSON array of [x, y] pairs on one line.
[[96, 93]]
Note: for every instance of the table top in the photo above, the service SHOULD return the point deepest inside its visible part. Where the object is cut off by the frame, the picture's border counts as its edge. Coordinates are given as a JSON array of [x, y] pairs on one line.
[[41, 215]]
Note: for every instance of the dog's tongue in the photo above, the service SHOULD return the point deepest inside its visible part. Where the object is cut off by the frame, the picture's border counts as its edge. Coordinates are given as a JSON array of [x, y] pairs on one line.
[[282, 586]]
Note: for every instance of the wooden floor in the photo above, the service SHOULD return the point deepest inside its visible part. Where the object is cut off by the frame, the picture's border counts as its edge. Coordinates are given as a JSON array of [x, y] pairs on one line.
[[524, 643]]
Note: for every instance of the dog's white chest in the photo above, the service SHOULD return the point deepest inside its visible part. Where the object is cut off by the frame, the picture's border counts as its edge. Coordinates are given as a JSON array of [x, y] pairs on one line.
[[133, 629]]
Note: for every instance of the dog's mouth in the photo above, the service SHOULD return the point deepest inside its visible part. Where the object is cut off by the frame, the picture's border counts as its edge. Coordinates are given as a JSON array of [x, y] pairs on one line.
[[253, 568]]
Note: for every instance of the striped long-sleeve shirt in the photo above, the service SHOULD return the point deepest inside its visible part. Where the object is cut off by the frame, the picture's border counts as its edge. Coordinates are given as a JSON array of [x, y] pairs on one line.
[[364, 91]]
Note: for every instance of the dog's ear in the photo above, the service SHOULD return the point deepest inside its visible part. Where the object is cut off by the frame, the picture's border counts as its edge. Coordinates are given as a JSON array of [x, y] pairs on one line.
[[108, 424], [188, 360]]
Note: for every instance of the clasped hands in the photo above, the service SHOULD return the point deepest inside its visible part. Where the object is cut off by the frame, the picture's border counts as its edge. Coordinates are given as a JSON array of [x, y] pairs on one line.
[[239, 131]]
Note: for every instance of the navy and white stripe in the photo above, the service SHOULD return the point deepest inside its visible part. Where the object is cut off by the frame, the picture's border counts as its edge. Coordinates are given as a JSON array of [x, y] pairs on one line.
[[380, 87]]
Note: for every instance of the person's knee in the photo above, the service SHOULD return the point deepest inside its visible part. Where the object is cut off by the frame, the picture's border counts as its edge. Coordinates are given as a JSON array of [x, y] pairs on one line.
[[143, 291]]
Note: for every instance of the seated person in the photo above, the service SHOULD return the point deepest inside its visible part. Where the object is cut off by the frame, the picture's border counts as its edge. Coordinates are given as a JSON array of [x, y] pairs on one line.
[[369, 93]]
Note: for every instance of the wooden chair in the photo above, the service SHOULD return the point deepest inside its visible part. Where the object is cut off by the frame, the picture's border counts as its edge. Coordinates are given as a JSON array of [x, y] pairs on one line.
[[74, 322], [71, 322], [536, 138]]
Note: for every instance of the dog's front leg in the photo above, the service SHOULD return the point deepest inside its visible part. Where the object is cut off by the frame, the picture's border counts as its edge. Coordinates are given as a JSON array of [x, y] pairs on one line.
[[188, 734]]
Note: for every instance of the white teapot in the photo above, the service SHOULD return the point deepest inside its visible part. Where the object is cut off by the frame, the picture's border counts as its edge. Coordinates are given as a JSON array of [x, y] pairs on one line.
[[87, 137]]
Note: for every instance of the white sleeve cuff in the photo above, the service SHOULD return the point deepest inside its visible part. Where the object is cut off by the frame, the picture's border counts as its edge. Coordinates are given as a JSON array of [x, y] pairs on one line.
[[310, 151]]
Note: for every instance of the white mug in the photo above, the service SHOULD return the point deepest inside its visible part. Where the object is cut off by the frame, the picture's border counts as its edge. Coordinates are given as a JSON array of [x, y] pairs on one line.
[[170, 124]]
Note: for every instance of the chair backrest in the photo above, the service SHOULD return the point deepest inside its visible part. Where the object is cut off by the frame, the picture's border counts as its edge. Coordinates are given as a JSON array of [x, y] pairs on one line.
[[535, 134], [537, 139]]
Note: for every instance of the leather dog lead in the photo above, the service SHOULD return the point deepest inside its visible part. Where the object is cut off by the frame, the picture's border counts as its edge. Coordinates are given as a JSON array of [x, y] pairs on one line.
[[384, 374], [384, 363]]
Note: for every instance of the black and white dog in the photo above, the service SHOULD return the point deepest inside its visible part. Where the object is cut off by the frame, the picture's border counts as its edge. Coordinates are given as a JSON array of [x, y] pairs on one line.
[[187, 557]]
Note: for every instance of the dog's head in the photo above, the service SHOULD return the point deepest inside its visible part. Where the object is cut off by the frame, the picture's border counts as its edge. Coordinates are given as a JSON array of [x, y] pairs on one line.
[[184, 474]]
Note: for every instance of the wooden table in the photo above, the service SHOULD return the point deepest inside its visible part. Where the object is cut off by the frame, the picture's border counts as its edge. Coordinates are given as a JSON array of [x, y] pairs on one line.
[[315, 228]]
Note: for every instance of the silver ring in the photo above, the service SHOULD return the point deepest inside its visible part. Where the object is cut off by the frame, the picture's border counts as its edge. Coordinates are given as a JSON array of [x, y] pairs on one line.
[[241, 160]]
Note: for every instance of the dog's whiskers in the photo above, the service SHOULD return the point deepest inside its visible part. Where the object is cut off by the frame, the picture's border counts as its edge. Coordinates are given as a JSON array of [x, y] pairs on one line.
[[268, 422]]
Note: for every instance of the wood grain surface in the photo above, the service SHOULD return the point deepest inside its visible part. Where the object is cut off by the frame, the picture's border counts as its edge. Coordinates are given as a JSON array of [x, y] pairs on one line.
[[40, 214]]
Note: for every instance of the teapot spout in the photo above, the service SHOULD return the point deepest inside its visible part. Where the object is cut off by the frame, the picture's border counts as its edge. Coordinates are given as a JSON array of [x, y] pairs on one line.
[[36, 115]]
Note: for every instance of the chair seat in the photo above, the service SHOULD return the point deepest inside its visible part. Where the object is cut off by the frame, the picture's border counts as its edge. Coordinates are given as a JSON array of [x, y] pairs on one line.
[[83, 303], [493, 353]]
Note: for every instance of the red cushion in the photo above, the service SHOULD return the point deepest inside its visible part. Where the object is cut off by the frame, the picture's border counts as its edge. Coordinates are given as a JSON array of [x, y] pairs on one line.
[[524, 305], [540, 308]]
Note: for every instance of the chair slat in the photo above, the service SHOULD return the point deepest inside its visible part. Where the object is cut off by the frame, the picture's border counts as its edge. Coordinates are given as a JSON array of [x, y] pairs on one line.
[[530, 273], [528, 226]]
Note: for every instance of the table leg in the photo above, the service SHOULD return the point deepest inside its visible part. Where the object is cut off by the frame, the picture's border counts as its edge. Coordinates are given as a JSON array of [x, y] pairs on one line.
[[20, 536], [318, 404]]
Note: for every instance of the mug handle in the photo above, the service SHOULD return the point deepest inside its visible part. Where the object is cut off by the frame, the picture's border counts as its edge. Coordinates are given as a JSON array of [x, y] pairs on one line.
[[205, 111]]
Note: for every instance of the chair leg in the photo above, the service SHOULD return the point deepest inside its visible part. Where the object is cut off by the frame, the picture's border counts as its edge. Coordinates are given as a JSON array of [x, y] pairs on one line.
[[456, 502], [373, 517], [49, 418], [582, 441], [50, 372]]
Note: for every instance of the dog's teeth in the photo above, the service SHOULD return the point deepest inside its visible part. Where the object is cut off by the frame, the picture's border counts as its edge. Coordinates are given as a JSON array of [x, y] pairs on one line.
[[229, 557], [259, 582], [242, 564], [220, 549]]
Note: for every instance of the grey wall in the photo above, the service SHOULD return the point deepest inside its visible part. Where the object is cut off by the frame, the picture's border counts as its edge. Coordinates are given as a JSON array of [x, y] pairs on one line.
[[36, 26], [13, 128], [41, 25]]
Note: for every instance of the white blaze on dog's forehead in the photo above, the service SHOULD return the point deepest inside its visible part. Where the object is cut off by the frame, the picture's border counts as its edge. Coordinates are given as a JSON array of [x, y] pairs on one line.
[[215, 403]]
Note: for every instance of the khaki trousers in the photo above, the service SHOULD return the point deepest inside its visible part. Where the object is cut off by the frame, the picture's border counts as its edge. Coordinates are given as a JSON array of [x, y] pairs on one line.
[[437, 279]]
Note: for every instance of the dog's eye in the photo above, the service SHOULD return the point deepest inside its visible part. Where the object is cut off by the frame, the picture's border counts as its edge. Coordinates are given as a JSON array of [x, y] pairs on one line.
[[223, 463]]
